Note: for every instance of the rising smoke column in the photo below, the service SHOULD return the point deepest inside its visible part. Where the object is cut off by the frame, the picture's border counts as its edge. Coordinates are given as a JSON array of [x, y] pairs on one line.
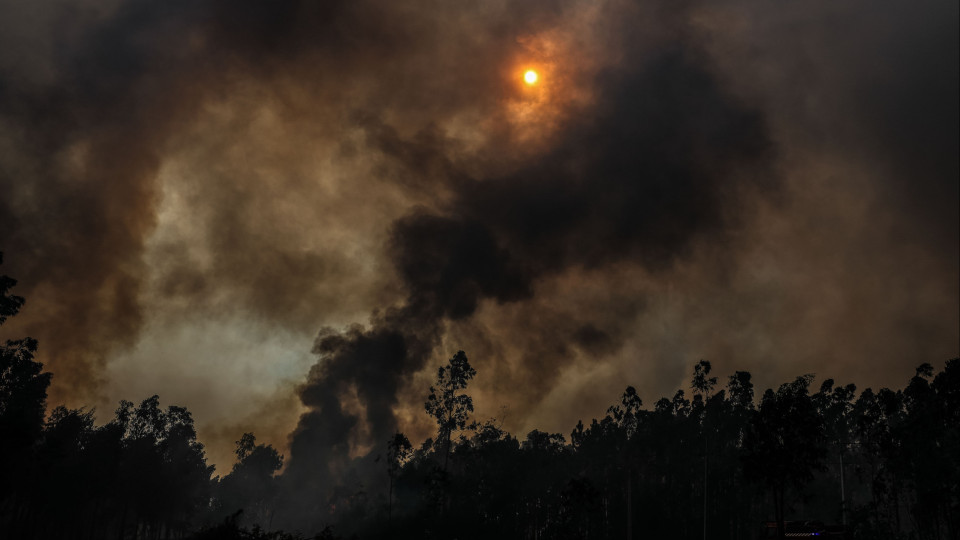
[[97, 96], [646, 169]]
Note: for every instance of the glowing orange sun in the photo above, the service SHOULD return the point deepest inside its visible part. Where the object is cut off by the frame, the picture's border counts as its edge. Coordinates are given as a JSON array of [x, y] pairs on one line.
[[530, 77]]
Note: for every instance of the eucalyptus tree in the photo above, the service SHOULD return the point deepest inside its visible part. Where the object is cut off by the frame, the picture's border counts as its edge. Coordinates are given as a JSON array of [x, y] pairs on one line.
[[447, 404], [399, 451], [23, 395], [252, 484], [786, 443]]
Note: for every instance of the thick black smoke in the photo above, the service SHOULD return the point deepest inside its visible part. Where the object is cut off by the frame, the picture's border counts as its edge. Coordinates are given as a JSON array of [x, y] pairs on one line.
[[95, 96], [468, 197], [640, 174], [89, 114]]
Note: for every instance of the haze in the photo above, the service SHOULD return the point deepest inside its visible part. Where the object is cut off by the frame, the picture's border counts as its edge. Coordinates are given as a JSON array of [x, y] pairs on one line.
[[285, 216]]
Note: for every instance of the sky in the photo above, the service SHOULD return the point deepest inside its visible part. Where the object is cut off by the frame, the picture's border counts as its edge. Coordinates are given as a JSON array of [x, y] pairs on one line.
[[286, 216]]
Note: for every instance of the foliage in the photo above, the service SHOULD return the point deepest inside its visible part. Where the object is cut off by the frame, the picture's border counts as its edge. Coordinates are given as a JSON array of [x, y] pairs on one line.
[[449, 407], [717, 464], [252, 485]]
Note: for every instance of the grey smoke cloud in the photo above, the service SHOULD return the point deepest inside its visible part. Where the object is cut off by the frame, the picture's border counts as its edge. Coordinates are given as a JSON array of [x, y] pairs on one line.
[[771, 187]]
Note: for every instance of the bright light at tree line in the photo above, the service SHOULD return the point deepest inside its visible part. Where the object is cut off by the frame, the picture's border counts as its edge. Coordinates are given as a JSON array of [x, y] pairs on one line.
[[530, 76]]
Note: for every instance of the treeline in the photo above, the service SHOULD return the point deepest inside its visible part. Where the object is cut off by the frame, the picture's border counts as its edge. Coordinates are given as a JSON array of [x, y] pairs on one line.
[[716, 464], [712, 461]]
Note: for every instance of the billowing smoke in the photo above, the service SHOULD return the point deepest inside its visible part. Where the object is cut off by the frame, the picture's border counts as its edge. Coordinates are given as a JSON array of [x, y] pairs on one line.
[[190, 189], [635, 176]]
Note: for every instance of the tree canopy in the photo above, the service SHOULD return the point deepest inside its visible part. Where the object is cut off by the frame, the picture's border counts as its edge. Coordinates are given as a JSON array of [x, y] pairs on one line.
[[886, 463]]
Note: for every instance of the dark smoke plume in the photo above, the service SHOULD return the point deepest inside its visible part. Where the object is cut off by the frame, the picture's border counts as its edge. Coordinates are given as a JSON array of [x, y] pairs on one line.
[[637, 176], [771, 186], [86, 127]]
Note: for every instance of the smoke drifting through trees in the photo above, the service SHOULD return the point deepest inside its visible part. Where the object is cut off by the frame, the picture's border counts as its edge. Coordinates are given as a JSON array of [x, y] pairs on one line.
[[655, 148], [145, 475], [635, 180]]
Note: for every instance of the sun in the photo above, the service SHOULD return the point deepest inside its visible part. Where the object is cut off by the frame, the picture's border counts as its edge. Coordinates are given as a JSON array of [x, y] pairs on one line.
[[530, 77]]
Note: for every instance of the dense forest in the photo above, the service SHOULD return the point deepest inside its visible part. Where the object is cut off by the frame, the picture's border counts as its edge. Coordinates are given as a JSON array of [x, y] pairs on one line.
[[713, 461]]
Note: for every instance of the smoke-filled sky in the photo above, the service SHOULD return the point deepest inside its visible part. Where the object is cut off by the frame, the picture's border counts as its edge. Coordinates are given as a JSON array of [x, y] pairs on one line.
[[285, 215]]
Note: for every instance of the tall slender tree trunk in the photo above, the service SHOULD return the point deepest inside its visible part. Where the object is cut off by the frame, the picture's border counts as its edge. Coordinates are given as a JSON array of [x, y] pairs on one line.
[[95, 518], [446, 449], [704, 484], [896, 505], [629, 506], [390, 501], [606, 514], [446, 459], [123, 524], [778, 503]]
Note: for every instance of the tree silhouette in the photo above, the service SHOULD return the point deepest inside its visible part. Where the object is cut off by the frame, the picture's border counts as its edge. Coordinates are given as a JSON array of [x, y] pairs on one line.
[[23, 394], [399, 450], [634, 472], [9, 304], [252, 485], [446, 404], [786, 443], [702, 384]]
